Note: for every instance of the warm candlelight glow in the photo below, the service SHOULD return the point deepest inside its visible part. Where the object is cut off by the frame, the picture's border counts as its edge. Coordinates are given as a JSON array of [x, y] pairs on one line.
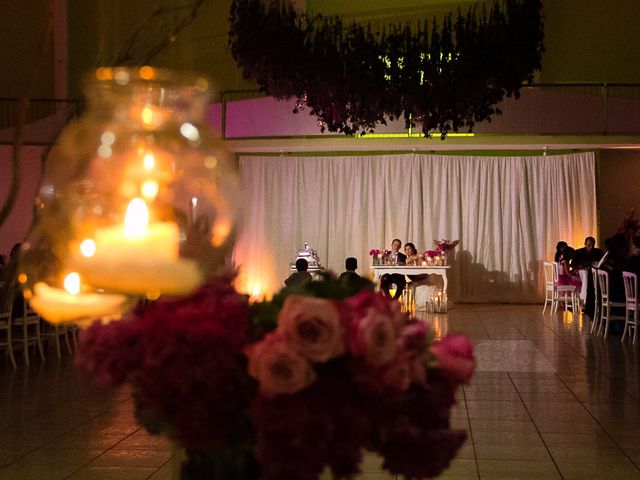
[[220, 232], [147, 115], [139, 257], [147, 72], [72, 283], [57, 305], [88, 247], [150, 189], [149, 161], [136, 219]]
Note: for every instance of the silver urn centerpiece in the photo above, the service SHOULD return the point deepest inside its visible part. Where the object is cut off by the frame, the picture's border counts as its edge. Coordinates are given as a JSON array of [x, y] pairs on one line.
[[311, 256]]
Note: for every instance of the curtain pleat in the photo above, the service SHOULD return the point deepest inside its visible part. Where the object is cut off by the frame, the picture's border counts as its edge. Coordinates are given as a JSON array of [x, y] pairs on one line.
[[507, 212]]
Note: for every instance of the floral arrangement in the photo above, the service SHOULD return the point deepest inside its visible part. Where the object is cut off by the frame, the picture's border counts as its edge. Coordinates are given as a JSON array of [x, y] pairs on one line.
[[446, 245], [290, 387], [442, 247], [446, 76], [374, 252]]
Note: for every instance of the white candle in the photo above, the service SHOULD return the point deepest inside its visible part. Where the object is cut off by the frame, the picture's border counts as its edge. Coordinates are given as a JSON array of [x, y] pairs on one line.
[[157, 241], [139, 258], [58, 306]]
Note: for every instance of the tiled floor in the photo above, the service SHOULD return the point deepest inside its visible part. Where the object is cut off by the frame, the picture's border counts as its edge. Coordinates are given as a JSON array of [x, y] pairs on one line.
[[548, 401]]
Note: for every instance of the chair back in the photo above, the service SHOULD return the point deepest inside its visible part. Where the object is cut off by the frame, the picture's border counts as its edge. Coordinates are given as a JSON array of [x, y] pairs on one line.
[[596, 289], [29, 316], [603, 284], [550, 275], [630, 288], [5, 314]]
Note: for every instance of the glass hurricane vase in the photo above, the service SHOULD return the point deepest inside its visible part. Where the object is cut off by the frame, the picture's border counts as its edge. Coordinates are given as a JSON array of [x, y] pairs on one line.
[[138, 199]]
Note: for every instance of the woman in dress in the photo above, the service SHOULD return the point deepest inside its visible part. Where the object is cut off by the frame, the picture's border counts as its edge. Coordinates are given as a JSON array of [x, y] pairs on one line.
[[413, 257], [566, 275]]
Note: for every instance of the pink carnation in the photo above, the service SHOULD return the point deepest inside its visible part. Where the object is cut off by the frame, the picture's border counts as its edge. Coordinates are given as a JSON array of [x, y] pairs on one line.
[[279, 368], [454, 356], [312, 326]]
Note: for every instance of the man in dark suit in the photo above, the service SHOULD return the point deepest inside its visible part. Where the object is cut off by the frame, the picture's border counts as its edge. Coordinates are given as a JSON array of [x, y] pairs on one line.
[[586, 256], [397, 279]]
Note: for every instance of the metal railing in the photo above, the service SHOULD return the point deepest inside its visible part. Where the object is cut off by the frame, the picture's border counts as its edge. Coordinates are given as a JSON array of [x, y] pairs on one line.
[[606, 103], [37, 109]]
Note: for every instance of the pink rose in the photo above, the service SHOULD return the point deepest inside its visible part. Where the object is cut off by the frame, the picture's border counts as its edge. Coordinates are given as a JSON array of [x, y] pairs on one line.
[[312, 326], [374, 338], [397, 375], [413, 337], [454, 355], [279, 368]]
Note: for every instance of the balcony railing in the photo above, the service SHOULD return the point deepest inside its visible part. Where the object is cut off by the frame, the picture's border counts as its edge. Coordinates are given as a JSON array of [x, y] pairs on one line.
[[37, 109], [543, 109]]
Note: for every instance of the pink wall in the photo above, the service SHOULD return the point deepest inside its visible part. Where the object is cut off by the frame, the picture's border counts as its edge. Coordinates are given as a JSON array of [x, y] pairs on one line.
[[17, 225], [538, 111]]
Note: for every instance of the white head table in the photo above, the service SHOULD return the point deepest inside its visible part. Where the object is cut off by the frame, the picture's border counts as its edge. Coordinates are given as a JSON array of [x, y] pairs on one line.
[[379, 270]]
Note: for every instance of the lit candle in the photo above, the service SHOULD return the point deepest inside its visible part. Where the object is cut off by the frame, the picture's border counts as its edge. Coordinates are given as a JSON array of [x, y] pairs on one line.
[[69, 305], [139, 258]]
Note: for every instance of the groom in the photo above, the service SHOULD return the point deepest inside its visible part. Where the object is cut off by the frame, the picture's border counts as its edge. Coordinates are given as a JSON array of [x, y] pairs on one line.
[[396, 279]]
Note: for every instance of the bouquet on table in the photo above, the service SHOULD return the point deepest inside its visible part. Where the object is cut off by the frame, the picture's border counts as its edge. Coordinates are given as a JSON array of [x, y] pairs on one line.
[[378, 256], [438, 256], [446, 245], [289, 388]]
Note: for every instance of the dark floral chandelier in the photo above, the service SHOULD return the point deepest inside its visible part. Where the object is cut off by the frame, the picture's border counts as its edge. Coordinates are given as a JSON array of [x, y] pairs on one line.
[[445, 78]]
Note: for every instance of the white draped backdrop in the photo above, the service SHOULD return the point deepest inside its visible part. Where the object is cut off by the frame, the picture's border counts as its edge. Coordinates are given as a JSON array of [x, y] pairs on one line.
[[507, 212]]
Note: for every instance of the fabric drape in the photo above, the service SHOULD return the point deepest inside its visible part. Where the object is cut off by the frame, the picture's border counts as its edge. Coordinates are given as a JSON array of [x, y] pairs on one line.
[[507, 212]]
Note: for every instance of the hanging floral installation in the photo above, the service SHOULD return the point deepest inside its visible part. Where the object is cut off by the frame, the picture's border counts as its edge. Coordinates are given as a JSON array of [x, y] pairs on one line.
[[445, 77]]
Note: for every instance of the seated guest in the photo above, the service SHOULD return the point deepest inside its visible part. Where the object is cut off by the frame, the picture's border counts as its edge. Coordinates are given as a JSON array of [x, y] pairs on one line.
[[586, 256], [413, 258], [396, 279], [301, 276], [350, 279], [566, 275], [350, 266], [425, 285], [614, 263]]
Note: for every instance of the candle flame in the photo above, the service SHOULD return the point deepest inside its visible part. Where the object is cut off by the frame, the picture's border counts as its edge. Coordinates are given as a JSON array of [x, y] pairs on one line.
[[88, 247], [147, 115], [150, 189], [149, 161], [72, 283], [137, 218]]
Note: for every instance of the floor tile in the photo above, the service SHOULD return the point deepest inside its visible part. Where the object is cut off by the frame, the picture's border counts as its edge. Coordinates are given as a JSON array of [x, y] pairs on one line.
[[517, 469], [112, 473], [132, 458], [581, 470], [512, 452]]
